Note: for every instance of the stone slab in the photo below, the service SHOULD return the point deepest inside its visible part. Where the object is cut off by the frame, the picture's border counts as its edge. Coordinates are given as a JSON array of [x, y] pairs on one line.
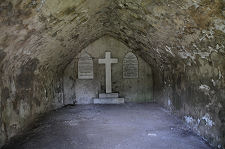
[[108, 100], [85, 67], [109, 95], [130, 66]]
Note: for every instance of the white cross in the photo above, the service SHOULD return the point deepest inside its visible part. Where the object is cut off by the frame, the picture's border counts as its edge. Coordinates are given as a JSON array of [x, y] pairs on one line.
[[108, 61]]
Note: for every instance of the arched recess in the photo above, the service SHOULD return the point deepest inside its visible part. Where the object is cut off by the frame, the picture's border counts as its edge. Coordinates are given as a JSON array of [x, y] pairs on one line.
[[138, 89]]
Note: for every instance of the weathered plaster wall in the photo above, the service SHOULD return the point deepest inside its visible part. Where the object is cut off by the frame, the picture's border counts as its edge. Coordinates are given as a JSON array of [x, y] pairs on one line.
[[133, 90]]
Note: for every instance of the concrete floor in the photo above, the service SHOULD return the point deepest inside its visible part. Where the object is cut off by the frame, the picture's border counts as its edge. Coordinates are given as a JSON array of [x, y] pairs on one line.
[[130, 126]]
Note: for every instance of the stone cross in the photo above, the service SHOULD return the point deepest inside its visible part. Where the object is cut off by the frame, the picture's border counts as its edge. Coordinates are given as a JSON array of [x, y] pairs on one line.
[[108, 61]]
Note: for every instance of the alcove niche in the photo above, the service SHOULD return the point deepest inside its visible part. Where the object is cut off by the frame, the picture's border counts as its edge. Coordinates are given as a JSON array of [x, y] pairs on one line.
[[84, 77]]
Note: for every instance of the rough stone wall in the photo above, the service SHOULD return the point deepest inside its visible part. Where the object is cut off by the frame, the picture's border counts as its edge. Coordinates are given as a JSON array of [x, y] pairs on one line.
[[183, 41], [196, 94], [26, 94], [37, 38]]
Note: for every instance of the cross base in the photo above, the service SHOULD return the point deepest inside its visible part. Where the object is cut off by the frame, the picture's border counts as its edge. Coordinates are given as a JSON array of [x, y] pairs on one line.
[[108, 98], [108, 95]]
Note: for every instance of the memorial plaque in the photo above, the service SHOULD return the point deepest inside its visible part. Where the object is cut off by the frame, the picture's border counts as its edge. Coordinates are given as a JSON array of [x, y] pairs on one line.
[[130, 66], [85, 67]]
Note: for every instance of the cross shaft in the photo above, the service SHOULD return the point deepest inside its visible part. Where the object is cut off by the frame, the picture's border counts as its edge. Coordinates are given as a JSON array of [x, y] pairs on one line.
[[108, 71]]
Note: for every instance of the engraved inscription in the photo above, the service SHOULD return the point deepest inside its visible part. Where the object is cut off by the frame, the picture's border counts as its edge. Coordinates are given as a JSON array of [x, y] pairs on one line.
[[130, 66], [85, 67]]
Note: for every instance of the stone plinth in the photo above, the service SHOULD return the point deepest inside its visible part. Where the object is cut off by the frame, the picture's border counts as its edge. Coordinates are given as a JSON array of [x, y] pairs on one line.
[[109, 95], [108, 100], [111, 98]]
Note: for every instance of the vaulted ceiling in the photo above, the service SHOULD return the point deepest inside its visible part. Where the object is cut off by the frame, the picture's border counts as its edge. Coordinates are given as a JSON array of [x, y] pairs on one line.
[[162, 32]]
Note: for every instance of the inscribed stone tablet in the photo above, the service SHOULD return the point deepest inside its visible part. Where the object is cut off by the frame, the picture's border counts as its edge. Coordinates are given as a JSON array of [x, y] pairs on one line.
[[130, 66], [85, 67]]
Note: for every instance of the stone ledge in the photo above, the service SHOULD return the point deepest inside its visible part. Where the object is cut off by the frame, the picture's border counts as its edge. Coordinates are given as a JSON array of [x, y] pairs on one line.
[[108, 95], [108, 100]]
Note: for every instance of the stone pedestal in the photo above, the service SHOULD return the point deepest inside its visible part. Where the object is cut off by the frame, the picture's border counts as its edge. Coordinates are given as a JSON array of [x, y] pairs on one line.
[[110, 98], [108, 95]]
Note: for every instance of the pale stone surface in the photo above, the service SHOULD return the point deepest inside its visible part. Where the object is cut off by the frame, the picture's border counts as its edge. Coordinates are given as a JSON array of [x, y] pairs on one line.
[[108, 100], [108, 72], [85, 90], [85, 66], [109, 95], [130, 66]]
